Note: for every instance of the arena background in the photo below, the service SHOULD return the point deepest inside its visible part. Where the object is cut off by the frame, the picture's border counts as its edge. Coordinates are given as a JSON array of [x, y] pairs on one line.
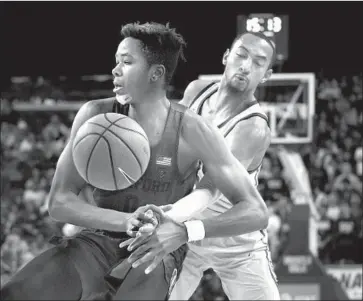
[[54, 56]]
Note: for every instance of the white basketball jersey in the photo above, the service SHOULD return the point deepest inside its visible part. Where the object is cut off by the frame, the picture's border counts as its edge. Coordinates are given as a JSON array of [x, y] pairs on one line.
[[237, 244]]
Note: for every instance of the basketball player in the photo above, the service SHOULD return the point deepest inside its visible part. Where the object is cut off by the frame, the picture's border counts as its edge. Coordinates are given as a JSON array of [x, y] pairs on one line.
[[242, 261], [76, 267]]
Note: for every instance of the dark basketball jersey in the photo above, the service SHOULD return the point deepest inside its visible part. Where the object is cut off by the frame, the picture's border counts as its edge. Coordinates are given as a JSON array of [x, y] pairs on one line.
[[162, 182]]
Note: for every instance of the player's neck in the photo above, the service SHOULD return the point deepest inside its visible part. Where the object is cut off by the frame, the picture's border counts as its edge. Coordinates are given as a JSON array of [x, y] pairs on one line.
[[153, 108], [231, 102]]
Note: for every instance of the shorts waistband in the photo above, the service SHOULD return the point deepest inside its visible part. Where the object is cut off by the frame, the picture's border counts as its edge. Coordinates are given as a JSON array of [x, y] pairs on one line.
[[113, 234]]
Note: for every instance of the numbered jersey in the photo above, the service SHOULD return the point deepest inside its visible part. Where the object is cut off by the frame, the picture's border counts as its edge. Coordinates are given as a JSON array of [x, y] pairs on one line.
[[242, 243], [161, 183]]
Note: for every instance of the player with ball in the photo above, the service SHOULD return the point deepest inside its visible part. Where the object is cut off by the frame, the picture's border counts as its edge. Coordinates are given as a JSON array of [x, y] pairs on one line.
[[136, 149]]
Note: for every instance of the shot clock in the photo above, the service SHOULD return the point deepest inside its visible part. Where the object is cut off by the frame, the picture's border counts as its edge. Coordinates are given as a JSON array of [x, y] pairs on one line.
[[274, 26]]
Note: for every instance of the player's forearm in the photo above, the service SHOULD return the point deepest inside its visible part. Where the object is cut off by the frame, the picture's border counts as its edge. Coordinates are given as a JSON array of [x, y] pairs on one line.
[[249, 212], [242, 218], [68, 208], [192, 204]]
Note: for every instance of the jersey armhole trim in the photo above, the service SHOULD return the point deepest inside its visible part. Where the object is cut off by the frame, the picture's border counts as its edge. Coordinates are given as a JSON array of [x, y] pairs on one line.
[[200, 93]]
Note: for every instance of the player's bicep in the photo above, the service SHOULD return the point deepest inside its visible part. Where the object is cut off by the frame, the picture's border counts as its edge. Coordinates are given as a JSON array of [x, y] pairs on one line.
[[66, 177], [207, 184], [203, 138], [249, 140], [210, 147], [229, 176]]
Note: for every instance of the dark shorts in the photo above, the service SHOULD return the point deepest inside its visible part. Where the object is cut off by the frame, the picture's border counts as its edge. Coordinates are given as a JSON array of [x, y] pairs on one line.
[[77, 268], [157, 285]]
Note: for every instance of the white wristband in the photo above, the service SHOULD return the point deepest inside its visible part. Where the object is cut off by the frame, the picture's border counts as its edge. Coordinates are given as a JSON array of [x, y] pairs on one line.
[[195, 230]]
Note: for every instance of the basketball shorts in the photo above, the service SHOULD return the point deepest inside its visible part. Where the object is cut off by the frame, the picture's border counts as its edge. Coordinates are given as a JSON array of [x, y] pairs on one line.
[[249, 276], [78, 268]]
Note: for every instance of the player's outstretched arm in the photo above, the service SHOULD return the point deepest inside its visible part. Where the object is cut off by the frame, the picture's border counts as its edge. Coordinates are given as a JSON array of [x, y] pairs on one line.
[[229, 176], [257, 133], [204, 194], [64, 203]]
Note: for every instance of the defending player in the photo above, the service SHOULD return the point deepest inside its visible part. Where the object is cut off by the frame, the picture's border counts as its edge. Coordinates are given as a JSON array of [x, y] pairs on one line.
[[75, 269], [241, 261]]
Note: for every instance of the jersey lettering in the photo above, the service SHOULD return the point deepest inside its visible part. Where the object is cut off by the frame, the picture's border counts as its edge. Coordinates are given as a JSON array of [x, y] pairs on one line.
[[148, 185]]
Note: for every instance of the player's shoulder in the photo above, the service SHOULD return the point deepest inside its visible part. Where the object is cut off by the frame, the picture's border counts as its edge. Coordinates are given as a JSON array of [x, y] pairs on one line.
[[193, 89], [97, 106], [252, 129], [92, 108], [194, 123], [198, 84]]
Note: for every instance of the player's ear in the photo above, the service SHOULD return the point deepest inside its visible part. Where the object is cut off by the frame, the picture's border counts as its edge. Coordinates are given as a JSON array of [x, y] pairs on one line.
[[225, 57], [266, 76], [157, 72]]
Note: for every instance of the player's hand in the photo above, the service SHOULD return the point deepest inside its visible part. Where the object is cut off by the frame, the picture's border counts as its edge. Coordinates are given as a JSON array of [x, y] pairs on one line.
[[144, 219], [167, 237]]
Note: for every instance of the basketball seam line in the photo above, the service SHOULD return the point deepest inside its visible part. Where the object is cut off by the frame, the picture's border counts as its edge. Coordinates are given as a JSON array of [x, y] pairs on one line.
[[78, 142], [107, 129], [109, 149], [102, 133], [85, 136], [127, 128], [121, 117], [111, 161], [90, 155], [131, 130]]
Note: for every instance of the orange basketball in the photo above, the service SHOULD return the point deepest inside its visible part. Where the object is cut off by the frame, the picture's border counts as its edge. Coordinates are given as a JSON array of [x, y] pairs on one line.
[[111, 151]]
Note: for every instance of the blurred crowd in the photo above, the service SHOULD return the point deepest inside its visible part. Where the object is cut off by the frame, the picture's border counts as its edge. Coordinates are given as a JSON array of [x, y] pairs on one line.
[[335, 164], [31, 143]]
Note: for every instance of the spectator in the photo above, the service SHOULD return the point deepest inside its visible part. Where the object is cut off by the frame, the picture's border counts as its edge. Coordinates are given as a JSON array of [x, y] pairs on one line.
[[333, 210], [55, 129], [347, 179]]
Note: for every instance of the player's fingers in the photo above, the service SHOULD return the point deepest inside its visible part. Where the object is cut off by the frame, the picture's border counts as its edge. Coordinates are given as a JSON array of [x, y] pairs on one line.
[[145, 217], [126, 243], [149, 256], [138, 241], [166, 208], [147, 229], [134, 223], [149, 213], [137, 254], [157, 211], [157, 260], [132, 232]]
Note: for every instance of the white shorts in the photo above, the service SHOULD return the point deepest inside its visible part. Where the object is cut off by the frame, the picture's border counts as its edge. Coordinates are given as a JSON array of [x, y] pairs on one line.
[[251, 277]]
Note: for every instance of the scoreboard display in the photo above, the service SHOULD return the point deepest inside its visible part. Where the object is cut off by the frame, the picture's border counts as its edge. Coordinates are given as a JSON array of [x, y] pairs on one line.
[[274, 26]]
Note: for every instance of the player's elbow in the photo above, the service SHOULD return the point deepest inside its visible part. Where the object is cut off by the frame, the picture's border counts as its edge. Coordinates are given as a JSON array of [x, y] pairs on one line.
[[263, 216], [57, 203], [259, 217], [261, 212]]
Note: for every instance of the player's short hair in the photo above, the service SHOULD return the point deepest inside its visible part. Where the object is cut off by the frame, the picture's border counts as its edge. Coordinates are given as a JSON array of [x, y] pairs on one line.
[[160, 43], [263, 37]]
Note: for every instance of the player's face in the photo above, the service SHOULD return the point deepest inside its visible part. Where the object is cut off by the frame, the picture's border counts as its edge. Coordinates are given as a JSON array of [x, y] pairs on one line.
[[247, 63], [131, 73]]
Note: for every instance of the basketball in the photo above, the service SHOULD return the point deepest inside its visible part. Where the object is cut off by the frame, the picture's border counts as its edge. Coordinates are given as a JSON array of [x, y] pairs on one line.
[[111, 151]]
